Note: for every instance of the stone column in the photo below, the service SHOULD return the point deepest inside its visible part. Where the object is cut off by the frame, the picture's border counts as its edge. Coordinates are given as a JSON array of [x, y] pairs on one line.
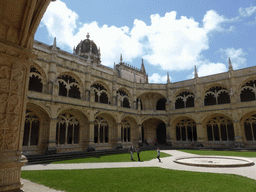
[[119, 139], [14, 79], [140, 134], [238, 134], [169, 135], [91, 146], [52, 148], [201, 134]]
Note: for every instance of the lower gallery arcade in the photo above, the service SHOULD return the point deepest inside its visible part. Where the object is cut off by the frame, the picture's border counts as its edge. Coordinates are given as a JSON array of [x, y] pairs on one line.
[[71, 130]]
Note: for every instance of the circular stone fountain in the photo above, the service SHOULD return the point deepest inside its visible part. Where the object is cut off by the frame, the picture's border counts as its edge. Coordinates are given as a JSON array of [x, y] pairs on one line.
[[214, 161]]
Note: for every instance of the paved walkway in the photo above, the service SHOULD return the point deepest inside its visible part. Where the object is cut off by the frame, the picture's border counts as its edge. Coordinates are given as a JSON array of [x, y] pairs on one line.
[[167, 163]]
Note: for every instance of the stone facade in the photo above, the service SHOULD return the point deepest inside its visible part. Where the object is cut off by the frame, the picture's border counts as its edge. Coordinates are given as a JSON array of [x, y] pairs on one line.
[[75, 103]]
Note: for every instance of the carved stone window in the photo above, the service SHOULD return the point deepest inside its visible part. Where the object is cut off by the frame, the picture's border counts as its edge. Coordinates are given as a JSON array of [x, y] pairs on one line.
[[160, 104], [248, 91], [101, 129], [123, 96], [184, 100], [67, 130], [216, 95], [250, 128], [100, 93], [125, 132], [35, 80], [186, 130], [220, 129], [31, 130], [68, 87]]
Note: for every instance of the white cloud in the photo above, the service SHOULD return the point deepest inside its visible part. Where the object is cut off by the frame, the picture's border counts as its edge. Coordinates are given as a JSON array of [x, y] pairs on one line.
[[156, 78], [61, 23], [246, 12], [168, 42], [237, 56]]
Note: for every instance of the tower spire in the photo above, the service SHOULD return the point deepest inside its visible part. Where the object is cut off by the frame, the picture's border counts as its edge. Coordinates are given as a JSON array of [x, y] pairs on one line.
[[196, 75], [230, 67], [168, 78], [142, 68]]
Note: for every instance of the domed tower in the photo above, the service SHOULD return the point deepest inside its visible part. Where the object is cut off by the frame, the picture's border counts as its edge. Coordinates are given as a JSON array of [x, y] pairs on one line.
[[87, 48]]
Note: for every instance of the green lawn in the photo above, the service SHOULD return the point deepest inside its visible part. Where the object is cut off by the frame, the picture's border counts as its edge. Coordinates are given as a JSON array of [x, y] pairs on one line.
[[144, 156], [222, 153], [139, 179]]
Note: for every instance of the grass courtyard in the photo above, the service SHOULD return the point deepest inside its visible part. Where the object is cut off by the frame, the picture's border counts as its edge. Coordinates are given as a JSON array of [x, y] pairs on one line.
[[139, 179]]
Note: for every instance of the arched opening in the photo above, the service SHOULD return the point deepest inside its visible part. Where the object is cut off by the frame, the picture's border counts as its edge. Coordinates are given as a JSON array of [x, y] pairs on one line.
[[124, 98], [125, 131], [248, 91], [161, 133], [31, 129], [100, 93], [154, 131], [67, 130], [35, 80], [250, 128], [220, 129], [101, 130], [161, 103], [186, 130], [184, 100], [68, 87], [216, 95], [139, 104]]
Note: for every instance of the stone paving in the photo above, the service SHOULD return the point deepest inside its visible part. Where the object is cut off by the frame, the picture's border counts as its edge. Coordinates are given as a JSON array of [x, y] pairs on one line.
[[167, 163]]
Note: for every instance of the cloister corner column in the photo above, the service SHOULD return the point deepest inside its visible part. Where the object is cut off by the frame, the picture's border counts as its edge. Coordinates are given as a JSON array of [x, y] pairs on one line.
[[14, 75], [18, 24]]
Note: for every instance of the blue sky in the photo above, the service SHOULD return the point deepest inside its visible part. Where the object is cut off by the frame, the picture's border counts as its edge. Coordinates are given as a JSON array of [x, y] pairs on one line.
[[171, 36]]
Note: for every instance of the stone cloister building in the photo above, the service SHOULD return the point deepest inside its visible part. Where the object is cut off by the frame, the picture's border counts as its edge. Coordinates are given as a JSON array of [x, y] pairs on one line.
[[75, 103]]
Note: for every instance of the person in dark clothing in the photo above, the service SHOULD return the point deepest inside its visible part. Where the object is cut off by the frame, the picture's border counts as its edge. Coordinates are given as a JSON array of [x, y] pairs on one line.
[[158, 154], [138, 152]]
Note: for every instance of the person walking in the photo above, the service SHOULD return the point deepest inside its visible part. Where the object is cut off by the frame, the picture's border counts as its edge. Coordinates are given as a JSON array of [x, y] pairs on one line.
[[158, 154], [131, 149], [138, 152]]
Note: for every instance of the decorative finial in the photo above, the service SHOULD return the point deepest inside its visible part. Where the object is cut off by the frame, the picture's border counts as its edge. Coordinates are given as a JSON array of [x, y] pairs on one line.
[[74, 50], [196, 75], [87, 36], [230, 67]]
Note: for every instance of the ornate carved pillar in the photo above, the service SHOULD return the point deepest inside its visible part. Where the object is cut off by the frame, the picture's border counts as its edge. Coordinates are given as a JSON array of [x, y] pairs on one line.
[[18, 24], [238, 134], [14, 79]]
